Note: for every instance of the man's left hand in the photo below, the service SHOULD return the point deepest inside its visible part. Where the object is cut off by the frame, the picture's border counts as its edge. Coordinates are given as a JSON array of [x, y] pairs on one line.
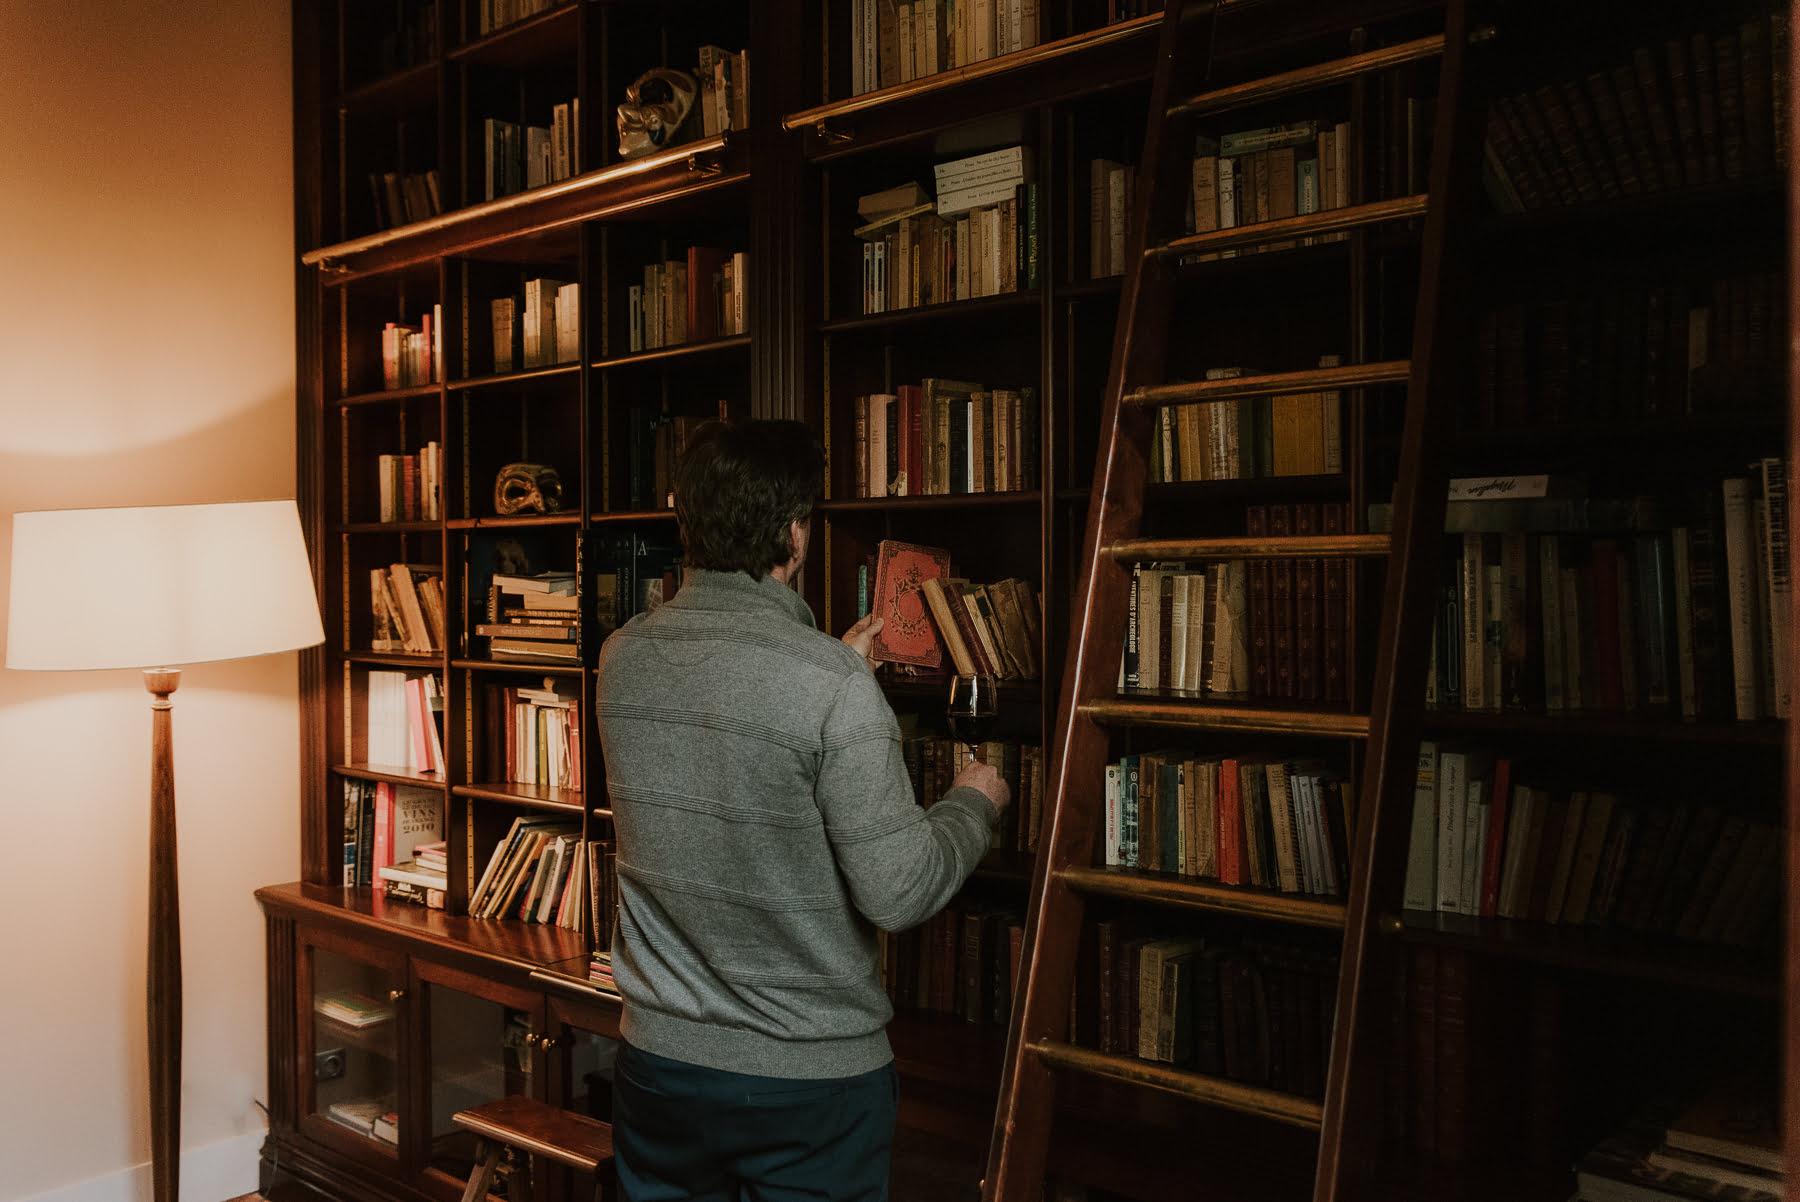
[[861, 637]]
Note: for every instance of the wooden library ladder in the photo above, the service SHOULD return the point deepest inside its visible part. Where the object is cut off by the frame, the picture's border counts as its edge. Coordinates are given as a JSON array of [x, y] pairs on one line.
[[1037, 1052]]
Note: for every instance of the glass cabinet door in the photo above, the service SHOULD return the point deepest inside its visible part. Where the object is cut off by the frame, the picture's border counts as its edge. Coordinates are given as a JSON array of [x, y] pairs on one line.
[[584, 1047], [352, 998], [482, 1043]]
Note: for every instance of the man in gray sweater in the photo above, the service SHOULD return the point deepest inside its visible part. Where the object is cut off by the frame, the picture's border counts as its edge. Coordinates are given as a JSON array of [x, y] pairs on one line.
[[766, 829]]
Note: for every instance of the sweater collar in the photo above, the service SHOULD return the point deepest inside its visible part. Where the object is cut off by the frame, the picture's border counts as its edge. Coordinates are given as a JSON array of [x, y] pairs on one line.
[[704, 589]]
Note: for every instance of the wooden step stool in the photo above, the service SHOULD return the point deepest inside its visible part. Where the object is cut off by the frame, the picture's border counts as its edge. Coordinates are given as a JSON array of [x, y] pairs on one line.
[[537, 1129]]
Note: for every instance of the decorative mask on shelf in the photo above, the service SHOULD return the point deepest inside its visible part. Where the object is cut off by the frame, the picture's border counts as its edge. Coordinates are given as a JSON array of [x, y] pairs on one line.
[[655, 110], [527, 486]]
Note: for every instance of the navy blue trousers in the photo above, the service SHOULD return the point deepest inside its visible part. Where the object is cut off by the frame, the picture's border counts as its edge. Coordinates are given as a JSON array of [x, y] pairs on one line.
[[683, 1133]]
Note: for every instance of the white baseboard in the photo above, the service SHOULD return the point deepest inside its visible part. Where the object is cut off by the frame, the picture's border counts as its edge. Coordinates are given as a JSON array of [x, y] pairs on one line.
[[213, 1172]]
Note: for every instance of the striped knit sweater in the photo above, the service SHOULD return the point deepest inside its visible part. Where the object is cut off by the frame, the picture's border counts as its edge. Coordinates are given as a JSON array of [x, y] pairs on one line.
[[766, 828]]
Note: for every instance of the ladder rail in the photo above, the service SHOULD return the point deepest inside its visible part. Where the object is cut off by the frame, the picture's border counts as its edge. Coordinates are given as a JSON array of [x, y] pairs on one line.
[[1019, 1148], [1441, 340]]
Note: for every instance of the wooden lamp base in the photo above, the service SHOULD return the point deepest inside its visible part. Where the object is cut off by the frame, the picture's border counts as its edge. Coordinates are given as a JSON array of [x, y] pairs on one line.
[[164, 987]]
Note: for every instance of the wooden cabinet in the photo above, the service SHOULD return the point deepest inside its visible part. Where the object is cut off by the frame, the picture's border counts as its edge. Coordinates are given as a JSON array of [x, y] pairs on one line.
[[384, 1021]]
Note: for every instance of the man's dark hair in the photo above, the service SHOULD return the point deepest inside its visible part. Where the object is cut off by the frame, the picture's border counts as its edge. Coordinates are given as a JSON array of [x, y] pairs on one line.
[[738, 486]]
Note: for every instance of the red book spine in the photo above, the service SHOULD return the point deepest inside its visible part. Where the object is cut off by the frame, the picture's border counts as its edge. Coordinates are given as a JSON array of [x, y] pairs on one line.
[[913, 408], [384, 824], [1494, 853], [1231, 826]]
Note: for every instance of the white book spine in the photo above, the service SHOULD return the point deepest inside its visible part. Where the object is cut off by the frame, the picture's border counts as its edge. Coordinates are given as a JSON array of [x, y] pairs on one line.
[[1452, 816], [1112, 806]]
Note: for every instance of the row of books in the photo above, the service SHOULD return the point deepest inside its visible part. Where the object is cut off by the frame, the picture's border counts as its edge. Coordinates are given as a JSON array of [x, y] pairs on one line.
[[1486, 845], [1688, 617], [657, 441], [979, 237], [692, 301], [515, 157], [941, 436], [1112, 189], [1251, 820], [532, 617], [387, 824], [410, 487], [1257, 175], [723, 102], [412, 355], [542, 871], [1297, 435], [963, 961], [532, 736], [634, 575], [932, 762], [544, 331], [498, 14], [402, 723], [410, 38], [1705, 109], [400, 198], [897, 41], [406, 603], [1725, 1144], [373, 1118], [928, 615], [1259, 1012], [422, 880], [1703, 345]]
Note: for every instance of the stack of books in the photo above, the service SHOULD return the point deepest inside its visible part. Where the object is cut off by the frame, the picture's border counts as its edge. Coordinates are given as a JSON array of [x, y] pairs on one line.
[[386, 825], [411, 485], [1693, 111], [350, 1009], [980, 237], [1486, 845], [400, 199], [1564, 603], [897, 41], [942, 436], [406, 603], [1297, 435], [374, 1118], [692, 300], [403, 716], [724, 100], [931, 619], [1257, 175], [600, 973], [533, 737], [516, 157], [1249, 820], [1727, 1145], [413, 355], [533, 617]]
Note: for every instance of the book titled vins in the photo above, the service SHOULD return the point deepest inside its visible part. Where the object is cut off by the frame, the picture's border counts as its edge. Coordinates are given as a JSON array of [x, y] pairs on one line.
[[907, 635]]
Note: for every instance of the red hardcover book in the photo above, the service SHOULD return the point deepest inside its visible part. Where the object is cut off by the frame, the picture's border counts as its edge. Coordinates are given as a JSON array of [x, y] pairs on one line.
[[384, 825], [1493, 854], [1231, 826], [907, 634], [703, 262]]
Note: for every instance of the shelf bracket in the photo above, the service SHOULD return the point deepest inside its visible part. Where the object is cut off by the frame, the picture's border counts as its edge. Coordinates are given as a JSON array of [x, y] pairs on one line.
[[705, 170], [828, 134]]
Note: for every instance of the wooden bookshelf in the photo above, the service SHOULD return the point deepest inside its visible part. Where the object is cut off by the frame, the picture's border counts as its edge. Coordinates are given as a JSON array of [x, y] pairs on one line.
[[784, 191]]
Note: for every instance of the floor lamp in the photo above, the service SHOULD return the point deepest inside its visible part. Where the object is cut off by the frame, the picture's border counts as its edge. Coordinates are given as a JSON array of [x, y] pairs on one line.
[[155, 588]]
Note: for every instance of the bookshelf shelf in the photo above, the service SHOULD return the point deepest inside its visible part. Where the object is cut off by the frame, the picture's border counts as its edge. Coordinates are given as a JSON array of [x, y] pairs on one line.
[[663, 354], [1142, 709], [515, 521], [389, 395], [1599, 951], [633, 515], [502, 943], [1197, 1087], [409, 87], [541, 797], [1249, 489], [392, 774], [1013, 692], [393, 659], [523, 43], [388, 527], [376, 1038], [1585, 726], [979, 500], [981, 306], [533, 666], [513, 379], [1164, 889]]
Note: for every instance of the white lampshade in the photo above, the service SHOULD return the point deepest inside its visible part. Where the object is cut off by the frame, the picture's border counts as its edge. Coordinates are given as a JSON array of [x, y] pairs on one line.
[[158, 586]]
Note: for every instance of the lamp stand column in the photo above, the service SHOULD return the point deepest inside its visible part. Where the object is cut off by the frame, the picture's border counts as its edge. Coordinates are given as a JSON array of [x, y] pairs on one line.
[[164, 988]]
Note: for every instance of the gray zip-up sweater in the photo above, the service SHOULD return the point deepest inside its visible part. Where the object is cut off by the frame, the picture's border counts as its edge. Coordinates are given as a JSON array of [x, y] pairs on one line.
[[766, 827]]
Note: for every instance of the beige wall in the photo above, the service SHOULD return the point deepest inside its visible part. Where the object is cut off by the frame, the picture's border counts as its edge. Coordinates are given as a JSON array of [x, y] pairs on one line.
[[146, 356]]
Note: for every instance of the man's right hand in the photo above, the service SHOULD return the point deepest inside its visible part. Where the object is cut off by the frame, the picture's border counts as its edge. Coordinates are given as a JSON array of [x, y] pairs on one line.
[[982, 776]]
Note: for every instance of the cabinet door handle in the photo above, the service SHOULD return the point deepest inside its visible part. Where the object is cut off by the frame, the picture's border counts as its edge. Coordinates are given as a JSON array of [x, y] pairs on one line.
[[546, 1042], [532, 1039], [395, 995]]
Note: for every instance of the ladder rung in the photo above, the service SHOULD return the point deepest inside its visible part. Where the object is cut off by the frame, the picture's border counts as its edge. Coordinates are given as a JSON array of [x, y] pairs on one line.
[[1282, 383], [1204, 715], [1312, 546], [1305, 79], [1214, 1091], [1328, 221], [1205, 895]]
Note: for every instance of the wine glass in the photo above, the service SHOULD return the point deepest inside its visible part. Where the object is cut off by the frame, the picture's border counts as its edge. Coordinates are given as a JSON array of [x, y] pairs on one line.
[[973, 709]]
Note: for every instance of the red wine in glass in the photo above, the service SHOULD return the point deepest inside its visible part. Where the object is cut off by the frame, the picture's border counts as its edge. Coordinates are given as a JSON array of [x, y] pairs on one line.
[[973, 710]]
